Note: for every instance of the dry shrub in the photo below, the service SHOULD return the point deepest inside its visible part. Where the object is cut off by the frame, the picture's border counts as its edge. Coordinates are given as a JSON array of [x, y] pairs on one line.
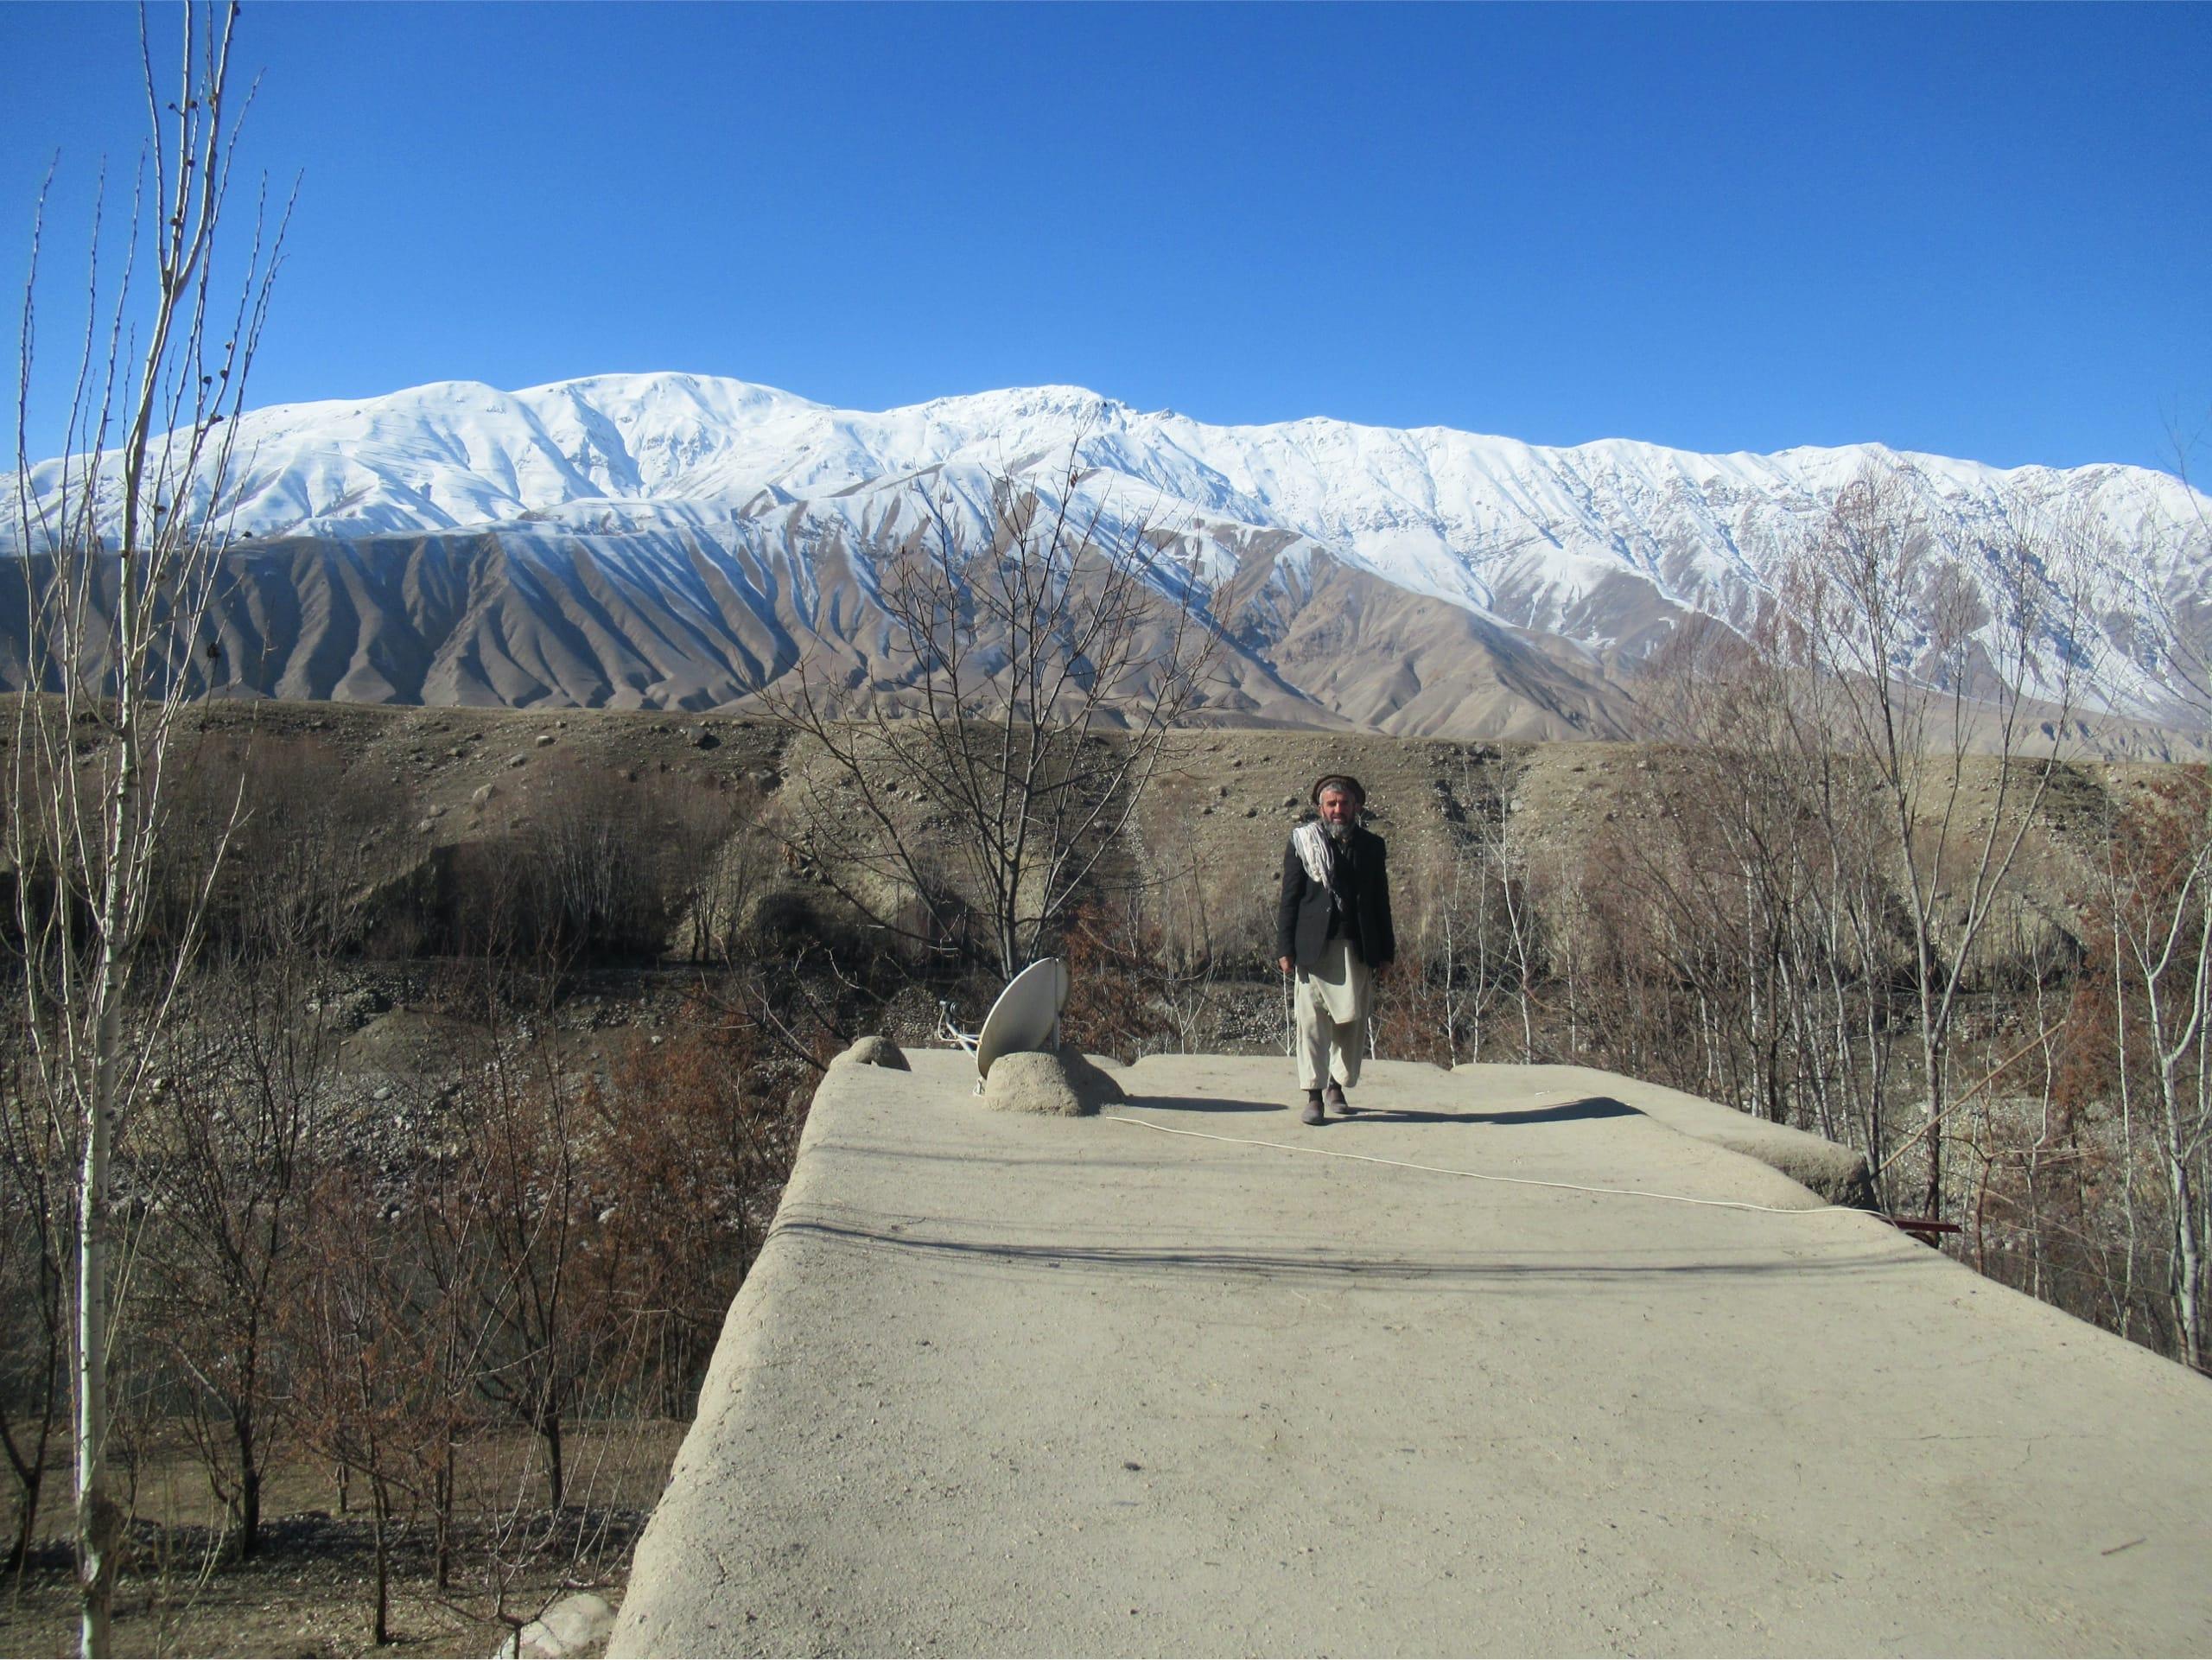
[[1115, 973], [694, 1139], [556, 1251]]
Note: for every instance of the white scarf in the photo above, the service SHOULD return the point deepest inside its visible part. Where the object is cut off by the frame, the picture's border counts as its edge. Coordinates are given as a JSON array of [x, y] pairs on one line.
[[1312, 841]]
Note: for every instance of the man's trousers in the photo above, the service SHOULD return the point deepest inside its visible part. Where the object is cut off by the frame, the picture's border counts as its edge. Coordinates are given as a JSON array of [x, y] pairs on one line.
[[1333, 1003]]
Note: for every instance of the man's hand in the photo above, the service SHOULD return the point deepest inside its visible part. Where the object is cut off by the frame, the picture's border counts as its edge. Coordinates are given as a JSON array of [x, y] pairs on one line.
[[1283, 963]]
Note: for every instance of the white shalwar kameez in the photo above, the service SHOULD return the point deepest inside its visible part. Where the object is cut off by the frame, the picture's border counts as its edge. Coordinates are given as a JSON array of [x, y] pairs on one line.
[[1333, 1005]]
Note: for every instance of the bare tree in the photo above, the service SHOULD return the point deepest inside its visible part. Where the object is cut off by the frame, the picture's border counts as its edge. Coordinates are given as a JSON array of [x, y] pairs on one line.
[[522, 1125], [1928, 662], [231, 1127], [364, 1368], [1467, 923], [2150, 910], [1038, 666], [725, 857], [1509, 936], [1145, 983], [119, 548], [1764, 887]]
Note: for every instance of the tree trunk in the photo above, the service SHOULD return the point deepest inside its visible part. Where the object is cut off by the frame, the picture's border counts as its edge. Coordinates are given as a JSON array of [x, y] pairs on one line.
[[99, 1522], [29, 1464], [441, 1496], [248, 1503], [19, 1549], [2189, 1314], [1931, 1200], [380, 1529], [548, 1427]]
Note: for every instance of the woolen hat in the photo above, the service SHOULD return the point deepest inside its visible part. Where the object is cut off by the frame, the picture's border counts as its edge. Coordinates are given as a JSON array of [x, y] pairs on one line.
[[1343, 781]]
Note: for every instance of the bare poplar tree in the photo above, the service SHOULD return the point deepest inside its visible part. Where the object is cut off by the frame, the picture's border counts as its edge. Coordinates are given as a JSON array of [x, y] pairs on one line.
[[1764, 837], [2158, 863], [1038, 667], [1479, 907], [118, 543], [2155, 901], [1925, 665]]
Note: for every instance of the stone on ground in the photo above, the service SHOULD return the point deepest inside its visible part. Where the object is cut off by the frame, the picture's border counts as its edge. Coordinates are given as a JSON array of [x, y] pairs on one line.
[[571, 1626]]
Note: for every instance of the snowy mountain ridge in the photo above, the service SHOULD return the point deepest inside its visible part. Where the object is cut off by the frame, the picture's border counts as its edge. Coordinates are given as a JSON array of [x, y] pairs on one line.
[[1597, 546]]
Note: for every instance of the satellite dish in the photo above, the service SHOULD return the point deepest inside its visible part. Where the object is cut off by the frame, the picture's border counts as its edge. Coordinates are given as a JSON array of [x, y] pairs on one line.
[[1027, 1014]]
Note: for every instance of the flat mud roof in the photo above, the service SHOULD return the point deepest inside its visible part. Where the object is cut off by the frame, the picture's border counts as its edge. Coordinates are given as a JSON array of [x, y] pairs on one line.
[[1012, 1385]]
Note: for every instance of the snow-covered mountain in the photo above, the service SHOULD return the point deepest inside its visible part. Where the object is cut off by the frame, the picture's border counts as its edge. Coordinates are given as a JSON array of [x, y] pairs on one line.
[[669, 539]]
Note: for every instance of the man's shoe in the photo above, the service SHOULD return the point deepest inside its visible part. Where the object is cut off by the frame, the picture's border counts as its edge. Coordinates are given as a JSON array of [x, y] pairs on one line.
[[1334, 1096], [1312, 1114]]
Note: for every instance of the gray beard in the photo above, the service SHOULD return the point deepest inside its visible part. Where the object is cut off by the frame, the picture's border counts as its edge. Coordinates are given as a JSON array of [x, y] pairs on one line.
[[1336, 832]]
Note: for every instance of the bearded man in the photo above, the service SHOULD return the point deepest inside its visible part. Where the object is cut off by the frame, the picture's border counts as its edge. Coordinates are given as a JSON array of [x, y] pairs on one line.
[[1333, 931]]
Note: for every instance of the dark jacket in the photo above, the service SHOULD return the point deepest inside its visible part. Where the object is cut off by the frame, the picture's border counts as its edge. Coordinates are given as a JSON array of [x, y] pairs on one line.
[[1302, 914]]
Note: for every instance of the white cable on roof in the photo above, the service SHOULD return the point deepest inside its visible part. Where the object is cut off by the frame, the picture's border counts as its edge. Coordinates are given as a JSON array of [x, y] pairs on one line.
[[1477, 1175]]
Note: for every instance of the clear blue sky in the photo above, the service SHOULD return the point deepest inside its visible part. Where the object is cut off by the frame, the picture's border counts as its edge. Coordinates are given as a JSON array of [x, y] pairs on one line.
[[1984, 231]]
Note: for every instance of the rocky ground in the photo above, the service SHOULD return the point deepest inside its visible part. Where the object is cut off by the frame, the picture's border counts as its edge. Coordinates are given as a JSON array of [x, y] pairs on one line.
[[1222, 801], [464, 770]]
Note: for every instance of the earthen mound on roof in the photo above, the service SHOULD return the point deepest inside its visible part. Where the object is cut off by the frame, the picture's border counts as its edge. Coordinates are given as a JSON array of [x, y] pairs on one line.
[[875, 1050], [1065, 1084]]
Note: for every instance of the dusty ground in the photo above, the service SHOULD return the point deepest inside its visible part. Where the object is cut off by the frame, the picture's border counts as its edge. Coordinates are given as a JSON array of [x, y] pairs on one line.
[[309, 1592]]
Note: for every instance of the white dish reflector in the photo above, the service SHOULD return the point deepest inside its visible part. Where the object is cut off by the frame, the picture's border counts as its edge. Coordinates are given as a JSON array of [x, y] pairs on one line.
[[1027, 1014]]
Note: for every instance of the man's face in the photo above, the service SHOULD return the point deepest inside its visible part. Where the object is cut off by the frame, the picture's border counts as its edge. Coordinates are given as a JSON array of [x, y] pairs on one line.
[[1335, 807]]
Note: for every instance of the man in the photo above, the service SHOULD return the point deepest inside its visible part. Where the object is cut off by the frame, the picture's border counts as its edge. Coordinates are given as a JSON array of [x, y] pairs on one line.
[[1333, 931]]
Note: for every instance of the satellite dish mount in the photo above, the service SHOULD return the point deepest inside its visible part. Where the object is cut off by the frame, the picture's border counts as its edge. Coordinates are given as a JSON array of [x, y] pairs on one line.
[[1027, 1016]]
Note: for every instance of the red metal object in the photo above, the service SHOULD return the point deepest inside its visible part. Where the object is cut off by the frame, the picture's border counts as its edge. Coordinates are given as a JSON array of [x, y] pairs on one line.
[[1922, 1226]]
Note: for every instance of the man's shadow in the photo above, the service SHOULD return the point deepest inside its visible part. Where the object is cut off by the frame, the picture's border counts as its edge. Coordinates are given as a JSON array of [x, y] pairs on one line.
[[1203, 1103], [1562, 1112]]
